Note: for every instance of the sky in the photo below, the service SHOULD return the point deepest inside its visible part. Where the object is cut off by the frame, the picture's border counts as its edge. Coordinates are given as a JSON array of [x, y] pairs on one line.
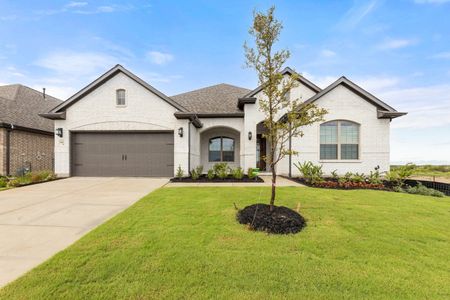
[[397, 50]]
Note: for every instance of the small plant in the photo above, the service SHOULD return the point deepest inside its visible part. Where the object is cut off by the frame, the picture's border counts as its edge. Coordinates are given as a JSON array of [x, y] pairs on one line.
[[310, 172], [210, 174], [222, 172], [358, 178], [199, 170], [374, 176], [420, 189], [346, 178], [220, 168], [398, 176], [180, 173], [194, 174], [251, 173], [3, 182], [335, 175], [238, 173], [14, 183]]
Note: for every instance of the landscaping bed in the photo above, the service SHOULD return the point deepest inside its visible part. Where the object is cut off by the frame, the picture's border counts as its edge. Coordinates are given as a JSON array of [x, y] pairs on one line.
[[205, 179], [27, 179], [279, 220]]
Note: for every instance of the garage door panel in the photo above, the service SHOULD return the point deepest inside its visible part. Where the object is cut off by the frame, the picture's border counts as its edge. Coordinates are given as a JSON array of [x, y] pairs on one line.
[[122, 154]]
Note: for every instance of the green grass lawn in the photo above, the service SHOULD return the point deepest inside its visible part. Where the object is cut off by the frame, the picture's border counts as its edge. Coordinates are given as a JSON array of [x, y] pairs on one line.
[[185, 243]]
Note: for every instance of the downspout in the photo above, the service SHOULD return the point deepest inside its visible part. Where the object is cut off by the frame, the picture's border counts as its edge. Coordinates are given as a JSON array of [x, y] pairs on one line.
[[189, 147], [290, 150]]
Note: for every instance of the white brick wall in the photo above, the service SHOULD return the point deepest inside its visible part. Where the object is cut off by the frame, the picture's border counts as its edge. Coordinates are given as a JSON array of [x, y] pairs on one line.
[[98, 111]]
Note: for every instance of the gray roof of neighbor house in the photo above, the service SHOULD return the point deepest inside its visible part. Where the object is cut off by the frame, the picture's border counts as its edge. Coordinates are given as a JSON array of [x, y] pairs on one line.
[[20, 106], [220, 98]]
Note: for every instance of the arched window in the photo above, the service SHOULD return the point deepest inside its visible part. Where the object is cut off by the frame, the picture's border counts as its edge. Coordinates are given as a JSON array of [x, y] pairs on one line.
[[339, 140], [221, 148], [120, 97]]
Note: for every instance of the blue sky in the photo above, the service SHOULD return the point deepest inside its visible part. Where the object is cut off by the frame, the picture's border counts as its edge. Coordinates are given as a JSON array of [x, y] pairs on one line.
[[398, 50]]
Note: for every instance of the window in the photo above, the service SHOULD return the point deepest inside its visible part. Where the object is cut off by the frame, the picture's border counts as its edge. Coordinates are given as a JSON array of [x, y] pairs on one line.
[[120, 97], [221, 149], [339, 140]]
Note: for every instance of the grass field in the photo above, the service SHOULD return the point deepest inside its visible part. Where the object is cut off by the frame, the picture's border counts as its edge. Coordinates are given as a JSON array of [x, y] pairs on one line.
[[430, 171], [185, 243]]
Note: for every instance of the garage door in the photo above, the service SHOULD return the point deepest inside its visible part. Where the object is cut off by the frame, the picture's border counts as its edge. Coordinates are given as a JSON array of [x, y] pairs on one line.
[[122, 154]]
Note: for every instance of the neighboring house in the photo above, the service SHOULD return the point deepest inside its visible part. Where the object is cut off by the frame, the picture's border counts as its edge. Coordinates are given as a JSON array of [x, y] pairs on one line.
[[26, 139], [119, 125]]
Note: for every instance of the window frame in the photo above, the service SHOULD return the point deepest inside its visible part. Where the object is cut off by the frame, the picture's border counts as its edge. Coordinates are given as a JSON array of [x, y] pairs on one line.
[[124, 98], [221, 149], [339, 144]]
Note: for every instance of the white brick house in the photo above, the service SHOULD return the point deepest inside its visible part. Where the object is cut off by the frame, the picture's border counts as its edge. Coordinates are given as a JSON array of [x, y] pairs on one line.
[[119, 125]]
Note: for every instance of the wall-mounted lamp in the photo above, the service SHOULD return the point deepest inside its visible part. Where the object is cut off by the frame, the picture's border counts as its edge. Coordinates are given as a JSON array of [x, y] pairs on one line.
[[59, 132], [249, 135], [180, 131]]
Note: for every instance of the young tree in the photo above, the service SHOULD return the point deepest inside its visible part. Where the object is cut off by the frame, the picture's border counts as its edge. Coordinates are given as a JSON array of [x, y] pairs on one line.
[[284, 117]]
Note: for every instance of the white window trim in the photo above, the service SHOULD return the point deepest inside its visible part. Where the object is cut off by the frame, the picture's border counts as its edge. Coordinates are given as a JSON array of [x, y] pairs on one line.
[[121, 105], [339, 160]]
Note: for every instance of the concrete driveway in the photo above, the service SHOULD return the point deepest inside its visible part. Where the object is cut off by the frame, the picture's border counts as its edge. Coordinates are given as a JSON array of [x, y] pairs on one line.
[[39, 220]]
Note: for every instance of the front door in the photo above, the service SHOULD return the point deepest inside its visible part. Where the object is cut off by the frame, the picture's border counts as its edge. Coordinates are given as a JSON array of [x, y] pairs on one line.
[[260, 152]]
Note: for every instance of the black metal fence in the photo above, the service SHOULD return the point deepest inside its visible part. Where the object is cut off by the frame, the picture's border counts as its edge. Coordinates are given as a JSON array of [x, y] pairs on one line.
[[439, 186]]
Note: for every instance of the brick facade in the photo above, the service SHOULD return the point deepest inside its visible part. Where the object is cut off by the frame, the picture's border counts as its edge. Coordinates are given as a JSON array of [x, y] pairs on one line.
[[31, 149], [2, 151]]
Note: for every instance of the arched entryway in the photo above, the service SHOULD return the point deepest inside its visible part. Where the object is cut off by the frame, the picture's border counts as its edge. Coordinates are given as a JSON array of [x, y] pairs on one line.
[[220, 144]]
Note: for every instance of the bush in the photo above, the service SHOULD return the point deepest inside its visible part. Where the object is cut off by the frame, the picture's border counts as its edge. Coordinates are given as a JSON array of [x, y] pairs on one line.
[[13, 183], [251, 173], [420, 189], [358, 178], [220, 169], [238, 173], [199, 170], [3, 182], [210, 174], [398, 176], [36, 177], [222, 173], [335, 175], [374, 176], [179, 174], [194, 174], [310, 172]]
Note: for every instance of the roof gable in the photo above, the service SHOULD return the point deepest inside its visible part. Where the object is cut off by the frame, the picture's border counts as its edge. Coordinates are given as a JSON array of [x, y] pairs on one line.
[[59, 110], [356, 89]]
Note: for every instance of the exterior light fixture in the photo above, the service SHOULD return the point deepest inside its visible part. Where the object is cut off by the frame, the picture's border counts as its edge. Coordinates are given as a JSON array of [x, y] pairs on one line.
[[59, 132], [249, 135], [180, 131]]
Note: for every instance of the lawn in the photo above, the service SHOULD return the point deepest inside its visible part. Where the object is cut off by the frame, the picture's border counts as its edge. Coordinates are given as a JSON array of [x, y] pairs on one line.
[[184, 243]]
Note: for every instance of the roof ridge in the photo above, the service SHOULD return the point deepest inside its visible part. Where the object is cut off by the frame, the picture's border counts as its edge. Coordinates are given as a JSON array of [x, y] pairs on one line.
[[209, 87], [36, 91]]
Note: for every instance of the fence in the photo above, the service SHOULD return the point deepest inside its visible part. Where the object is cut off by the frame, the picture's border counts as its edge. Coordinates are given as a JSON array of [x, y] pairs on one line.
[[439, 186]]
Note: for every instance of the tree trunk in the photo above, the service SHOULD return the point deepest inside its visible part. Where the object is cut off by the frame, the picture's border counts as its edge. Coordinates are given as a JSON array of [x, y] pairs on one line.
[[274, 185]]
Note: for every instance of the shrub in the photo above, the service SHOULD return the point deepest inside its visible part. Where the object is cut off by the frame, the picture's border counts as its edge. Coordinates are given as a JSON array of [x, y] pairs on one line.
[[36, 177], [251, 173], [358, 178], [179, 174], [194, 174], [335, 175], [13, 183], [238, 173], [199, 170], [374, 176], [420, 189], [3, 182], [220, 168], [222, 172], [398, 176], [311, 173], [210, 174]]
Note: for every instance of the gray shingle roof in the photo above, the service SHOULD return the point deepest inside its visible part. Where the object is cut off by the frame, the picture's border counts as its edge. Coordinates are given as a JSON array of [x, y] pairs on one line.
[[20, 105], [220, 98]]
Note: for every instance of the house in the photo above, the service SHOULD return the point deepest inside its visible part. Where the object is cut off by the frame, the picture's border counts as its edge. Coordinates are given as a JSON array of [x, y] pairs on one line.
[[26, 139], [119, 125]]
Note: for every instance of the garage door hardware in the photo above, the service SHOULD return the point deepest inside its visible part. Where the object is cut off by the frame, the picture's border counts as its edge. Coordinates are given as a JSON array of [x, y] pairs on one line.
[[124, 157]]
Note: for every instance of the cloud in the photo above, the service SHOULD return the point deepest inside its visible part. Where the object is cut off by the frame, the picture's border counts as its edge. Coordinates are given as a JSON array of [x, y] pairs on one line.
[[83, 8], [390, 44], [154, 77], [8, 18], [377, 84], [357, 13], [76, 63], [442, 55], [76, 4], [431, 1], [159, 58], [327, 53]]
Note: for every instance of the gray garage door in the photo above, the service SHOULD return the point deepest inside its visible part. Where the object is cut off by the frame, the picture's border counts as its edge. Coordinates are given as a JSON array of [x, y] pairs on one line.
[[122, 154]]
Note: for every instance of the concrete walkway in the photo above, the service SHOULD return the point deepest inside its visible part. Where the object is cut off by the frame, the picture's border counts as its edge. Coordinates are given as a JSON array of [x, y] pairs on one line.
[[39, 220], [281, 181]]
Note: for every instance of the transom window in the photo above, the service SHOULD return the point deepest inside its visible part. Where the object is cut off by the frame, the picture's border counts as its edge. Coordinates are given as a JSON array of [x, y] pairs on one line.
[[339, 140], [120, 97], [221, 148]]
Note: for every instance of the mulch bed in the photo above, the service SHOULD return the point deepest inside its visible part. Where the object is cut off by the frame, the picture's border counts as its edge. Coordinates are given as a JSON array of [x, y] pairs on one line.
[[329, 183], [281, 220], [204, 179]]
